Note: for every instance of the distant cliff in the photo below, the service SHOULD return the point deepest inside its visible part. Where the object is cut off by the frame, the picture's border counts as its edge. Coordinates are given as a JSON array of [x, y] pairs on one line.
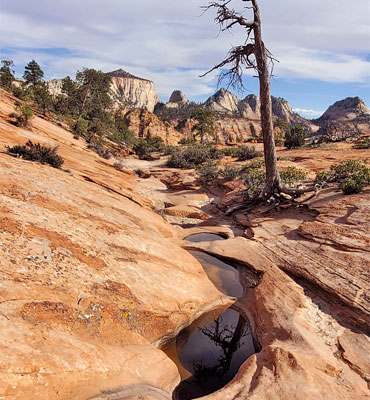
[[133, 92]]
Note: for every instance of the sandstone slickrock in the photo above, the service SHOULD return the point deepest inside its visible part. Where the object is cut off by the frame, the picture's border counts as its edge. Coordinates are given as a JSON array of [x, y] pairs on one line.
[[92, 280]]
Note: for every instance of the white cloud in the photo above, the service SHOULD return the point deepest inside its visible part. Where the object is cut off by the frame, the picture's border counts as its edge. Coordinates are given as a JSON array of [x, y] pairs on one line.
[[170, 43], [310, 114]]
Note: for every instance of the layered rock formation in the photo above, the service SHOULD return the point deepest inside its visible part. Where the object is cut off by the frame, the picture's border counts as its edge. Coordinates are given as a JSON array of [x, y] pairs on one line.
[[144, 123], [348, 109], [345, 119], [178, 96], [223, 101], [55, 87], [126, 89], [91, 279], [133, 92], [310, 310], [236, 120]]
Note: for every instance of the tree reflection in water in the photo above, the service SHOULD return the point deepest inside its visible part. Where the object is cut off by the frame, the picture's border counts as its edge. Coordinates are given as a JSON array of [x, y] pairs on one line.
[[228, 346]]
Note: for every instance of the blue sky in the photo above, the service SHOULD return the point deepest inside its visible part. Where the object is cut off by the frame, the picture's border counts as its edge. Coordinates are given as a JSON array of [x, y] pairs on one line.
[[323, 47]]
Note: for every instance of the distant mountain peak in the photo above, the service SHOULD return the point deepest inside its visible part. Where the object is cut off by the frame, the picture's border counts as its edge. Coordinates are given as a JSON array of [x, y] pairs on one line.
[[120, 73], [347, 109]]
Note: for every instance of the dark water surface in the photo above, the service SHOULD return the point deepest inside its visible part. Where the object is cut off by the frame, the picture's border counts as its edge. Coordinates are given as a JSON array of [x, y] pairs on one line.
[[204, 237], [210, 351]]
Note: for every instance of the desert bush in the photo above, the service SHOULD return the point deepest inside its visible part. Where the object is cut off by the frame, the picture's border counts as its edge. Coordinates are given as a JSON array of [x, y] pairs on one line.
[[169, 150], [19, 92], [294, 137], [247, 153], [187, 141], [156, 142], [255, 164], [323, 177], [230, 172], [364, 144], [24, 114], [352, 176], [352, 185], [142, 148], [291, 175], [100, 150], [80, 127], [151, 143], [349, 168], [37, 152], [120, 137], [254, 180], [208, 171], [191, 156], [230, 151]]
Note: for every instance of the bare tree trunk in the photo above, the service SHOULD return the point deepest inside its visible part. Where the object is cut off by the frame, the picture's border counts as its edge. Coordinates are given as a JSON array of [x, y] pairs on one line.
[[238, 57], [272, 174]]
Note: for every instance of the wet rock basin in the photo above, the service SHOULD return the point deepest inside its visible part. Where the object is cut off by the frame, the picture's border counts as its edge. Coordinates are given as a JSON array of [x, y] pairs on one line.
[[209, 352]]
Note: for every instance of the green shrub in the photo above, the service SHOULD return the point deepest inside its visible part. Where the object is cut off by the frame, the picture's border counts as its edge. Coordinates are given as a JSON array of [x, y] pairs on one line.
[[142, 148], [229, 151], [294, 137], [352, 185], [208, 171], [120, 137], [100, 150], [80, 127], [349, 168], [255, 164], [291, 175], [169, 150], [364, 144], [24, 114], [37, 152], [187, 141], [247, 153], [230, 172], [192, 156], [352, 176], [151, 143], [323, 177], [254, 180], [156, 142], [19, 92]]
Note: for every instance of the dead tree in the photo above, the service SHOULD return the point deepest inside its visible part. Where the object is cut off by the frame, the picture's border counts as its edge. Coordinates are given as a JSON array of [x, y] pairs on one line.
[[253, 55]]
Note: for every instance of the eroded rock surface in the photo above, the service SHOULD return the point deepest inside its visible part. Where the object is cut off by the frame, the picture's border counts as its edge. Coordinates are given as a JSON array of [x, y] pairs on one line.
[[91, 279]]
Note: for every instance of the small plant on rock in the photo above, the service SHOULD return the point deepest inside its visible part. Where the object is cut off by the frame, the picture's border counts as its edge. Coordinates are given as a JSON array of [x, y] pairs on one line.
[[230, 172], [24, 114], [324, 177], [291, 175], [37, 152], [100, 150], [352, 176], [208, 171], [247, 153], [352, 185], [364, 144], [254, 180]]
